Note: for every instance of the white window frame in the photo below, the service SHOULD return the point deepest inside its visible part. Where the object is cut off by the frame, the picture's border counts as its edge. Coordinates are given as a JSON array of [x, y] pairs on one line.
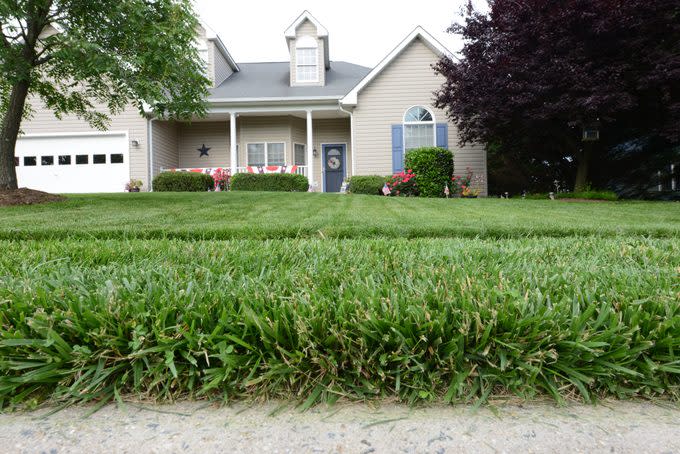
[[304, 151], [416, 123], [266, 153], [306, 43]]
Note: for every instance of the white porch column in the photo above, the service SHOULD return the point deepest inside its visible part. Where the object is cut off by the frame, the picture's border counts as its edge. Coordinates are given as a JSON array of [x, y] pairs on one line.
[[310, 151], [232, 142]]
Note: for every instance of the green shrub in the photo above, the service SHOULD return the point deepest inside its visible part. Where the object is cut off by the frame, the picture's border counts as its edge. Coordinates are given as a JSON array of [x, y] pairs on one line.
[[277, 182], [367, 184], [183, 182], [433, 168], [588, 195]]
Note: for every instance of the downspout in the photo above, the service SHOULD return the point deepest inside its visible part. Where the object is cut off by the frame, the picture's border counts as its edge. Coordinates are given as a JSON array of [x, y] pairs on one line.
[[351, 138]]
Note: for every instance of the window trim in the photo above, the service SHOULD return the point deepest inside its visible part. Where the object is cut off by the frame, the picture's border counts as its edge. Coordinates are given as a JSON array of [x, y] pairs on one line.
[[405, 123], [266, 153]]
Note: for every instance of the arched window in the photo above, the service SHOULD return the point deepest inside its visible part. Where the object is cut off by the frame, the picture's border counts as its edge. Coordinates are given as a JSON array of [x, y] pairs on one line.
[[306, 59], [419, 128]]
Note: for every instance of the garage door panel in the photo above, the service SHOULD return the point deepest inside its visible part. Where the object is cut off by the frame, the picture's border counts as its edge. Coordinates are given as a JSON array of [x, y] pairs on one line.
[[74, 164]]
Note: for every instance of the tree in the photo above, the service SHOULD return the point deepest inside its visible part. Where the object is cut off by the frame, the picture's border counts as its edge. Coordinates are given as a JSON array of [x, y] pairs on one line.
[[79, 55], [535, 73]]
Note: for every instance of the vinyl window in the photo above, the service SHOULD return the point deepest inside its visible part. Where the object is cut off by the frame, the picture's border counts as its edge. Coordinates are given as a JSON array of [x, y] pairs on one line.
[[307, 65], [267, 154], [419, 128]]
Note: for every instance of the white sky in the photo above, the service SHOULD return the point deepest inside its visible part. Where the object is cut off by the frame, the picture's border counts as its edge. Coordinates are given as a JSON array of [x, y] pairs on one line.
[[360, 31]]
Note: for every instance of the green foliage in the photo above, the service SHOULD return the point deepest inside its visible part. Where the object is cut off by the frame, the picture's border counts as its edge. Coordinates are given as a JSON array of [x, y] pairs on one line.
[[367, 184], [293, 215], [94, 59], [276, 182], [85, 321], [433, 168], [138, 52], [183, 182], [588, 195]]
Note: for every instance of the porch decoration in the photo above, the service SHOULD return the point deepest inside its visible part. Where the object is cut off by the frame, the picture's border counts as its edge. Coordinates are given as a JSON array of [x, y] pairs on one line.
[[203, 151], [272, 169]]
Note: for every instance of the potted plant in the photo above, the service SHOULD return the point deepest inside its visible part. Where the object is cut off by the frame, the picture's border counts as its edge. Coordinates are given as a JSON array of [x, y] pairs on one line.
[[133, 185]]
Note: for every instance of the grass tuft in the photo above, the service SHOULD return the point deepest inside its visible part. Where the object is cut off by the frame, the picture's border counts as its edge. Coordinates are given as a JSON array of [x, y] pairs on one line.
[[451, 320]]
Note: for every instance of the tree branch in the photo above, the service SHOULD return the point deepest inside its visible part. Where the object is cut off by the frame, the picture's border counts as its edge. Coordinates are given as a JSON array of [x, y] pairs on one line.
[[5, 41]]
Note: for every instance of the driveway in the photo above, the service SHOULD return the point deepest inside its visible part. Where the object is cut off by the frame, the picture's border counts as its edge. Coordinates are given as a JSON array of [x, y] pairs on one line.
[[618, 427]]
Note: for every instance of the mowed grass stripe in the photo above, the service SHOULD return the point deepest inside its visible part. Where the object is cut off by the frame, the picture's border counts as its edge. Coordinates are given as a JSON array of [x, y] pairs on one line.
[[276, 215], [430, 319]]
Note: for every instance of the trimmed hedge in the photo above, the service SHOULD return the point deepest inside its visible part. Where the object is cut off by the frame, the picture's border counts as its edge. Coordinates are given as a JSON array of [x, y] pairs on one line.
[[433, 168], [276, 182], [366, 184], [183, 182]]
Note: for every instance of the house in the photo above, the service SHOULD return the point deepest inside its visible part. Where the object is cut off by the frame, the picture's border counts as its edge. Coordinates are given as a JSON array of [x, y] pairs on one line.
[[322, 118]]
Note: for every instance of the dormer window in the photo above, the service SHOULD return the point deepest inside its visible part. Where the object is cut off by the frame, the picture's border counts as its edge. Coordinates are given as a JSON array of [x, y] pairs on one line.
[[306, 60]]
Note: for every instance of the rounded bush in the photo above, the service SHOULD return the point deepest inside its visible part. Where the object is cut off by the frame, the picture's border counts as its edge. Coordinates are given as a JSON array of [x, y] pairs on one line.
[[366, 184], [276, 182], [183, 182], [433, 168]]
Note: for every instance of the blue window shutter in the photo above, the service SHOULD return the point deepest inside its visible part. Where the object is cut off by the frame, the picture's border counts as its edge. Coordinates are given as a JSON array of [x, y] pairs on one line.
[[443, 135], [397, 148]]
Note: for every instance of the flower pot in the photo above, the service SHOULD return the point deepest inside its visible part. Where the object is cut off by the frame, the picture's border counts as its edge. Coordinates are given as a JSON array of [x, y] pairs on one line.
[[134, 190], [469, 196]]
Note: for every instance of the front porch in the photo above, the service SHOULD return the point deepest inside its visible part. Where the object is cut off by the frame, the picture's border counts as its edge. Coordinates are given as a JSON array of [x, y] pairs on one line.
[[264, 141]]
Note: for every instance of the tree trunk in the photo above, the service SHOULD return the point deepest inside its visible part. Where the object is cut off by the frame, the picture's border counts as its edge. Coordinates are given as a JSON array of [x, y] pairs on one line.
[[582, 169], [9, 133]]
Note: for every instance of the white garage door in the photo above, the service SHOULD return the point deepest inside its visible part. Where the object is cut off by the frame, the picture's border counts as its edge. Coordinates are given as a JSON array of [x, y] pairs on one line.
[[73, 164]]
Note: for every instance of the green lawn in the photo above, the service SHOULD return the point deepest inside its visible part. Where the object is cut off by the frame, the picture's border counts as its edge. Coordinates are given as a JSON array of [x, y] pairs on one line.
[[279, 215], [316, 297]]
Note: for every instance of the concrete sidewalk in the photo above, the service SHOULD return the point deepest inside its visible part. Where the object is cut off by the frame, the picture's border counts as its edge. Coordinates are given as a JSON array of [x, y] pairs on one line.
[[633, 427]]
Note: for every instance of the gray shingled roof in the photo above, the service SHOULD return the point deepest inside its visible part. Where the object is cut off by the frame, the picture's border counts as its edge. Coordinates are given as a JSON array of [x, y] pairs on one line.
[[272, 80]]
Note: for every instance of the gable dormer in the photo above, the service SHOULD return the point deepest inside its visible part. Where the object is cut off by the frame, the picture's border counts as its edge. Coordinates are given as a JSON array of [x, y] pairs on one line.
[[218, 62], [308, 48]]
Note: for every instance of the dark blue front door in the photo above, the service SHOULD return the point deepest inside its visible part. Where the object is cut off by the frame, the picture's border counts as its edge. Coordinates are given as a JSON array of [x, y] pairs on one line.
[[333, 167]]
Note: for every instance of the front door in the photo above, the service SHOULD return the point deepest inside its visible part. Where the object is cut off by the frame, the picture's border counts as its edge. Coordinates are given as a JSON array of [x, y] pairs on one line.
[[333, 167]]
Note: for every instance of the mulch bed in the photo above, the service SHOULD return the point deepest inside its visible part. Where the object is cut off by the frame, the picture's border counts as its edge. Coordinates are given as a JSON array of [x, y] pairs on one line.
[[24, 196]]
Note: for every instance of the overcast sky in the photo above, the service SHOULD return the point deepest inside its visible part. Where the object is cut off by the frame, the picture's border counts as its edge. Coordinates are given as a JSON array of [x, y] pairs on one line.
[[360, 31]]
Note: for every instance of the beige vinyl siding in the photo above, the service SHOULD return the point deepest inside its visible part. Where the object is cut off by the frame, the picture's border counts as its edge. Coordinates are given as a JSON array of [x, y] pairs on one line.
[[220, 67], [298, 135], [260, 130], [165, 145], [307, 28], [212, 134], [407, 81], [207, 52], [130, 121]]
